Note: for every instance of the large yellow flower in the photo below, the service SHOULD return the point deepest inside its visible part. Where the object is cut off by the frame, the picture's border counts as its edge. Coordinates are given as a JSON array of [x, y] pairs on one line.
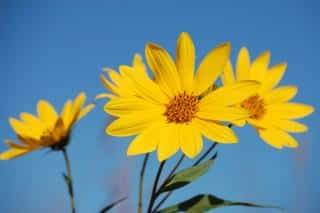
[[166, 113], [271, 113], [48, 129]]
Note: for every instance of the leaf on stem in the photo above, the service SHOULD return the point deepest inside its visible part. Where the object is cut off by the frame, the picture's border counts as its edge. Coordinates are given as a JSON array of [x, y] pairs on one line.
[[186, 176], [110, 206], [205, 202]]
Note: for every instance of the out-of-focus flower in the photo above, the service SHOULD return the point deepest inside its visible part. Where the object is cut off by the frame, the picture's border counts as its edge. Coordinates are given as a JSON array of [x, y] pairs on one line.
[[271, 112], [48, 129]]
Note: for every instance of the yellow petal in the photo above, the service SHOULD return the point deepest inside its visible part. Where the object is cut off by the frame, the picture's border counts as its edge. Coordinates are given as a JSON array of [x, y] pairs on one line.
[[227, 76], [273, 76], [218, 113], [259, 66], [211, 67], [133, 124], [185, 61], [289, 110], [66, 114], [13, 153], [138, 64], [78, 103], [164, 69], [108, 85], [230, 94], [14, 145], [59, 131], [277, 138], [147, 141], [104, 95], [243, 65], [281, 94], [290, 126], [84, 111], [125, 105], [216, 132], [190, 140], [239, 123], [145, 87], [47, 114], [169, 142], [22, 129], [33, 123]]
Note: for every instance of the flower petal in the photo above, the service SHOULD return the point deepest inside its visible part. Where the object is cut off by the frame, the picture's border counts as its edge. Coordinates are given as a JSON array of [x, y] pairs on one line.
[[145, 142], [185, 61], [290, 126], [227, 76], [125, 105], [164, 69], [133, 124], [144, 87], [84, 111], [243, 65], [190, 140], [281, 94], [169, 142], [22, 129], [259, 66], [273, 76], [289, 110], [47, 113], [230, 94], [218, 113], [215, 131], [277, 138], [211, 67], [13, 153], [109, 86]]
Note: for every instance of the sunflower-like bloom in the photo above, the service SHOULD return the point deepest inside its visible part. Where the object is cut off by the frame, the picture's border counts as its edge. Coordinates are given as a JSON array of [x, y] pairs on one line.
[[271, 113], [48, 129], [172, 110]]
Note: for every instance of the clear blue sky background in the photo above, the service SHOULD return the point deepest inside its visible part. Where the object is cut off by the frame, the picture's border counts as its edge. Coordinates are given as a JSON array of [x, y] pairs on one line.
[[54, 49]]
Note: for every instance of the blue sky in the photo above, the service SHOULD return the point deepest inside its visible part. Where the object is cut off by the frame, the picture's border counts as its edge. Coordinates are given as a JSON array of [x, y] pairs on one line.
[[54, 49]]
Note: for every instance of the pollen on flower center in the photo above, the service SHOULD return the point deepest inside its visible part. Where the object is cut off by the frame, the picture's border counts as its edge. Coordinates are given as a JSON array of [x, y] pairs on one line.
[[255, 106], [182, 108]]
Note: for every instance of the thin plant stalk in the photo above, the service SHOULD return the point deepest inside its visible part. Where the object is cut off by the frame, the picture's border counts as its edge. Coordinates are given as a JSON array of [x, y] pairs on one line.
[[68, 179], [144, 164], [154, 188]]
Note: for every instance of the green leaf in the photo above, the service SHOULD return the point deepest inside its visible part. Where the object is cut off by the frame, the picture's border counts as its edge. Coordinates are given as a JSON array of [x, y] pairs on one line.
[[186, 176], [204, 202], [110, 206]]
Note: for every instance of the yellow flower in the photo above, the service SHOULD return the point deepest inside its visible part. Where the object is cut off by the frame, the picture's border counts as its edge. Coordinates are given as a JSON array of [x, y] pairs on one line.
[[166, 113], [48, 129], [271, 113]]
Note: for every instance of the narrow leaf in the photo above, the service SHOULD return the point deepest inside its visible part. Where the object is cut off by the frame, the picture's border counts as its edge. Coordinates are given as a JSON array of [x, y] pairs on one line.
[[204, 202], [110, 206], [186, 176]]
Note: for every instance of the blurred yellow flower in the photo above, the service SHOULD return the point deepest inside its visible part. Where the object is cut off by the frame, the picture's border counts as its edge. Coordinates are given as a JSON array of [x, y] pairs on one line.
[[271, 113], [166, 112], [48, 129]]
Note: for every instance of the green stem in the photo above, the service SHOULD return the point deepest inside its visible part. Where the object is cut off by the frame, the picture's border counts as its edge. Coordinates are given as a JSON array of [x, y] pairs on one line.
[[166, 180], [205, 154], [68, 179], [154, 188], [145, 160]]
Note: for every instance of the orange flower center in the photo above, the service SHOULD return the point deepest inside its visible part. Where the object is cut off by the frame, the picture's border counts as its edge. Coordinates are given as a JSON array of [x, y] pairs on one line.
[[255, 106], [182, 108]]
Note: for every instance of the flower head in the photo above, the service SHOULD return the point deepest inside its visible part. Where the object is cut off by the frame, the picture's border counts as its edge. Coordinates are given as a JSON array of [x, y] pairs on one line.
[[173, 109], [48, 129], [270, 109]]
